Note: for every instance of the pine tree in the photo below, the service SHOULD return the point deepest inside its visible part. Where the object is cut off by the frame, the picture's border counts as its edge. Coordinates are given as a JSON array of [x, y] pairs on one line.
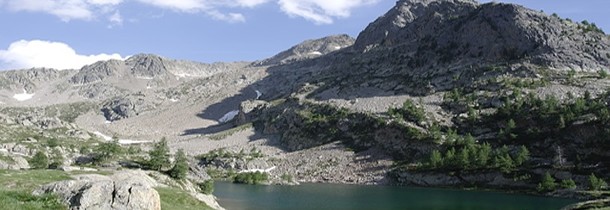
[[159, 155], [547, 183], [436, 159], [523, 155], [181, 166], [596, 183], [483, 155]]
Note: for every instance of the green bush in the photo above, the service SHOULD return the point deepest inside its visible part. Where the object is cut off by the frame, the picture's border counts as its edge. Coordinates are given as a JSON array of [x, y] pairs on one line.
[[547, 183], [206, 187], [107, 151], [250, 178], [39, 161], [596, 183], [568, 184]]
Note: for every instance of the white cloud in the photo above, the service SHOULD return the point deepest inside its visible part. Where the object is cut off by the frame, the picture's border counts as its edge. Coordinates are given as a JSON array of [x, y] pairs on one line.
[[116, 18], [322, 11], [66, 10], [317, 11], [38, 53]]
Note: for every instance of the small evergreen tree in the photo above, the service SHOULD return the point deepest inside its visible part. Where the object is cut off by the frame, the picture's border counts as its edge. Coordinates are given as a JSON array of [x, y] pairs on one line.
[[547, 183], [523, 155], [483, 155], [106, 151], [181, 166], [568, 184], [39, 160], [436, 159], [159, 155], [596, 183]]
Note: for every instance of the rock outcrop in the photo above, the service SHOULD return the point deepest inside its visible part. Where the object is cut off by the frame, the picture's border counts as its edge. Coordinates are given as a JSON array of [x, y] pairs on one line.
[[125, 107], [309, 49], [12, 161], [123, 190]]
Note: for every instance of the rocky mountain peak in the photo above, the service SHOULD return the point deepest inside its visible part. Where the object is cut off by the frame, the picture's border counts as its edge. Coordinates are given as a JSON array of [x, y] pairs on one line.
[[147, 65], [404, 13], [98, 71], [309, 49]]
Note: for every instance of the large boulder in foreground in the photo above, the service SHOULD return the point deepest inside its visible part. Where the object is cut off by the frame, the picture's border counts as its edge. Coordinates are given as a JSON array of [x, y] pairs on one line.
[[124, 190]]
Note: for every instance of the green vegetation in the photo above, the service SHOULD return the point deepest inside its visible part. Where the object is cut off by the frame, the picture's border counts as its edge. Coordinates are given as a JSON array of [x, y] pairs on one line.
[[287, 177], [409, 112], [175, 199], [602, 74], [251, 178], [39, 161], [206, 187], [568, 184], [16, 188], [596, 183], [181, 166], [107, 151], [547, 183], [159, 155], [587, 27]]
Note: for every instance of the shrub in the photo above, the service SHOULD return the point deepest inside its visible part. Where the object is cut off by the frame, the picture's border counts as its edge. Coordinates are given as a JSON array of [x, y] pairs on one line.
[[568, 184], [596, 183], [547, 183], [39, 161], [106, 151], [206, 187], [250, 178]]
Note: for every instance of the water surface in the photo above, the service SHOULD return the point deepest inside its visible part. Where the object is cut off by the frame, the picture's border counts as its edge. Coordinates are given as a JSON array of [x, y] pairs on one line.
[[355, 197]]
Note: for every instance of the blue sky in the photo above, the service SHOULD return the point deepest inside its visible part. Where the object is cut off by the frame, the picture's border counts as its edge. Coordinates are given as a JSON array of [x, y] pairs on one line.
[[72, 33]]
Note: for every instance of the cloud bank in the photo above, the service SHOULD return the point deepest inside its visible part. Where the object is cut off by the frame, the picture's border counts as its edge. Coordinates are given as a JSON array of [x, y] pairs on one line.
[[317, 11], [38, 53]]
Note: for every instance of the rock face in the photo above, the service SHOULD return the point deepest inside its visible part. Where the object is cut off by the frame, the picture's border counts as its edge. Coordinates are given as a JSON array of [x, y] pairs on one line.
[[309, 49], [98, 71], [11, 161], [123, 190], [125, 107]]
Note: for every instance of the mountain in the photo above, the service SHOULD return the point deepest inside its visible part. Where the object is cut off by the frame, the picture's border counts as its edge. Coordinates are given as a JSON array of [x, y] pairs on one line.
[[432, 93]]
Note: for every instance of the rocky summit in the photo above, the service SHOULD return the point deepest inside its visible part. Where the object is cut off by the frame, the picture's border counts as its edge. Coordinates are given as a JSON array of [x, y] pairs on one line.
[[447, 93]]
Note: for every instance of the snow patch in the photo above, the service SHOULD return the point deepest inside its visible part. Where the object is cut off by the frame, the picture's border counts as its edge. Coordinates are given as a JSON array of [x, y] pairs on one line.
[[173, 100], [146, 78], [148, 87], [228, 116], [121, 141], [101, 135], [315, 53], [183, 75], [107, 122], [258, 94], [23, 96], [257, 170], [337, 47]]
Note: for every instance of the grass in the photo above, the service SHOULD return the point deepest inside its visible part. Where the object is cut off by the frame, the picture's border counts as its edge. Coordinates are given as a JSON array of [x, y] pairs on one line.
[[16, 189], [175, 199]]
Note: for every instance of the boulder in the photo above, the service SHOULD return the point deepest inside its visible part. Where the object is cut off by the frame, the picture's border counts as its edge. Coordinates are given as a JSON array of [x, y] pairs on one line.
[[123, 190], [12, 162]]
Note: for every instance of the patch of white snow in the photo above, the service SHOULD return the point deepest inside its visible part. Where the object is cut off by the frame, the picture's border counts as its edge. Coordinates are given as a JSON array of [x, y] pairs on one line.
[[23, 96], [315, 53], [228, 116], [173, 100], [101, 135], [258, 94], [146, 78]]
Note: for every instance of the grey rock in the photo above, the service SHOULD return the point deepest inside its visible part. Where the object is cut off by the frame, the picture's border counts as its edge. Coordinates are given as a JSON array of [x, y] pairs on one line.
[[123, 190], [309, 49], [125, 107], [12, 161]]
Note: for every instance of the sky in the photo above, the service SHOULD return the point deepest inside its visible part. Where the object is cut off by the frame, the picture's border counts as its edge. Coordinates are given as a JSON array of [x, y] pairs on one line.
[[66, 34]]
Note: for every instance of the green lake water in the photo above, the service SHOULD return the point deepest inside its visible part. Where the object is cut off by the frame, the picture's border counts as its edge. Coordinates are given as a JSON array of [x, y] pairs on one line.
[[355, 197]]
